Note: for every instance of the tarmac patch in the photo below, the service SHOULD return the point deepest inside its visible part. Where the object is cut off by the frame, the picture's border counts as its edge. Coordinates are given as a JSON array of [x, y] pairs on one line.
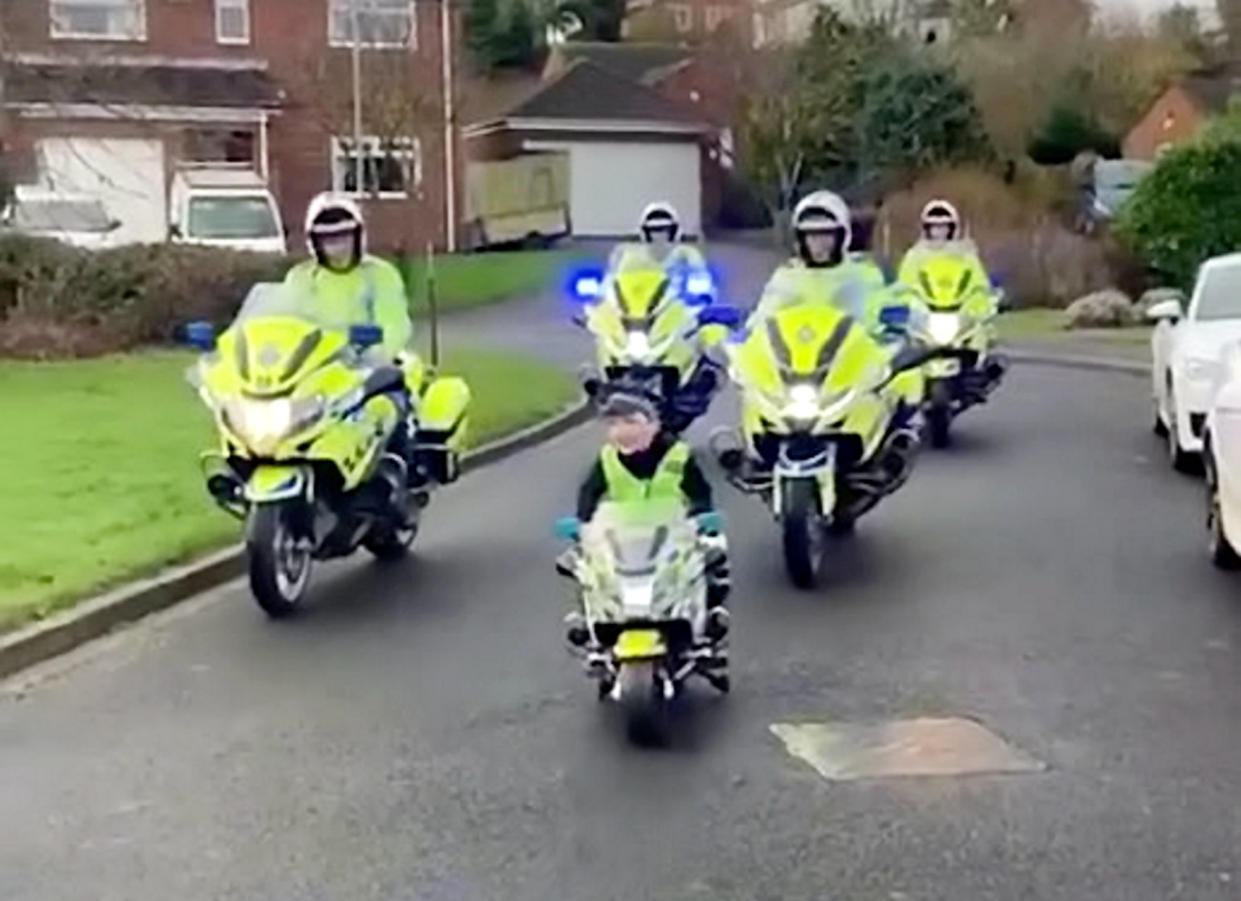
[[927, 746]]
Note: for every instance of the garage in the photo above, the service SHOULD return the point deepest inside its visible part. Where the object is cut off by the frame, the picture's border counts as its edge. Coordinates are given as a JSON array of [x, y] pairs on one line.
[[627, 147], [126, 174]]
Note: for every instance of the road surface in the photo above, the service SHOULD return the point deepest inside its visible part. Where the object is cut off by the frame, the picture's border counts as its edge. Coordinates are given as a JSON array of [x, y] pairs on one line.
[[421, 734]]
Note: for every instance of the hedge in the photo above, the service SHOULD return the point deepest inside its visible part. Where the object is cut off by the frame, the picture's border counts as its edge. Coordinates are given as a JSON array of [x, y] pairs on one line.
[[1187, 210], [60, 301]]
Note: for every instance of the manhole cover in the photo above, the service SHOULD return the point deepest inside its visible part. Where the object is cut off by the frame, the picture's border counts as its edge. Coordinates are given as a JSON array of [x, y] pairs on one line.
[[918, 747]]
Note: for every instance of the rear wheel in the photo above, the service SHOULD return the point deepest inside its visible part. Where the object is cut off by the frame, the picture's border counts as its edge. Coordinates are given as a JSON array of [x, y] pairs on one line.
[[279, 563], [802, 526], [642, 699]]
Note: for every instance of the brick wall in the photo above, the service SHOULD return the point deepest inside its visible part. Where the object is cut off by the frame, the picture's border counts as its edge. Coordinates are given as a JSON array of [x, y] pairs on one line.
[[291, 37], [1174, 117]]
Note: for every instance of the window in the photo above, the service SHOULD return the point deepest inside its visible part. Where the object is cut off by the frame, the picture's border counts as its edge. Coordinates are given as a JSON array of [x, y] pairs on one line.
[[381, 23], [107, 20], [717, 15], [232, 21], [232, 218], [683, 16], [1220, 296], [218, 145], [391, 167]]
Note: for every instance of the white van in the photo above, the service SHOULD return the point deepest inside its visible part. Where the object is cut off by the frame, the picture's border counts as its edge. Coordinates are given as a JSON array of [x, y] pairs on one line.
[[225, 207], [76, 219]]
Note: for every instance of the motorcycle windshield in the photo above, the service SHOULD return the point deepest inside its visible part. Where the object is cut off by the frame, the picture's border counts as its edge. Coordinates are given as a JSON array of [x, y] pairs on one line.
[[636, 535], [268, 300]]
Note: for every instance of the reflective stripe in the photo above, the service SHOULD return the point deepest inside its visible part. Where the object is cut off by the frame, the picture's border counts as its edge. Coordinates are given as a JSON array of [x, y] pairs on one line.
[[625, 487]]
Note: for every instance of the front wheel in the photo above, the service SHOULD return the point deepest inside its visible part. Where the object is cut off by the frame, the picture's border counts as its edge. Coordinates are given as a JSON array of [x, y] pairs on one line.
[[642, 699], [279, 562], [801, 523], [939, 417]]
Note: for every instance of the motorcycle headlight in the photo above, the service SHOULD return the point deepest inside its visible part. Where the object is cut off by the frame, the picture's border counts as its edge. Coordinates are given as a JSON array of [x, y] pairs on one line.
[[637, 598], [803, 402], [943, 328], [637, 344], [1197, 370], [264, 423]]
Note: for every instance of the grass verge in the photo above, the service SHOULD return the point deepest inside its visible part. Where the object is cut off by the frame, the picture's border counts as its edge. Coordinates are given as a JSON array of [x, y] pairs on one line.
[[1044, 326], [474, 279], [99, 474]]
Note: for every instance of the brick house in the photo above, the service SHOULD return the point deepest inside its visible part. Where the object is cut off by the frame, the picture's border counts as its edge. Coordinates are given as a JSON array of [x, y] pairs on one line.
[[700, 80], [127, 90], [691, 21], [1178, 113]]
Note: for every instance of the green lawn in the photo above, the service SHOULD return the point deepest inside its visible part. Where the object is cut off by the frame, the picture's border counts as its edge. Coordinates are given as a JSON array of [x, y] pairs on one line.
[[98, 472], [1047, 326], [473, 279]]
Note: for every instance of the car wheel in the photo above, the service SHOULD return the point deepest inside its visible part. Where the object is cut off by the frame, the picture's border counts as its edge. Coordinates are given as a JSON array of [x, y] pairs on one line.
[[1223, 554], [1181, 459]]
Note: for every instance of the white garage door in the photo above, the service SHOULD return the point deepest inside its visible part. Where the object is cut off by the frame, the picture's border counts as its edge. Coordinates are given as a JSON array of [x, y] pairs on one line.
[[611, 183], [126, 174]]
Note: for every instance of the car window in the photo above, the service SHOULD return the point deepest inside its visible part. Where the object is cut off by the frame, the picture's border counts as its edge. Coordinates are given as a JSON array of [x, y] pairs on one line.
[[60, 216], [1220, 294], [232, 218]]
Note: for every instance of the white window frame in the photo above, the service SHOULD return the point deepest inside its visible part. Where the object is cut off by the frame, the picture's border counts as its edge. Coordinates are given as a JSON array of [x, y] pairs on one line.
[[221, 6], [57, 34], [683, 17], [336, 40], [371, 145]]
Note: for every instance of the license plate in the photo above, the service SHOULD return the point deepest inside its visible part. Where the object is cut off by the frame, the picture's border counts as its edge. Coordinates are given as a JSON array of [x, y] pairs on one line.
[[639, 644]]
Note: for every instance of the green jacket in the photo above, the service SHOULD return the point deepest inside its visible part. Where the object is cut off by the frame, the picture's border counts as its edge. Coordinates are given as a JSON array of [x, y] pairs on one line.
[[373, 292]]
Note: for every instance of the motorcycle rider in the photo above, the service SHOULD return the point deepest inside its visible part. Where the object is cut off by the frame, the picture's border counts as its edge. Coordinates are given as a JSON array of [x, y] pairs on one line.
[[822, 267], [659, 229], [641, 460], [342, 283], [941, 234]]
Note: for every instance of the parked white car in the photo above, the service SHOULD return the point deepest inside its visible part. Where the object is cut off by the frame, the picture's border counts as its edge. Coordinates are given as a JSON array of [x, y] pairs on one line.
[[1221, 457], [1186, 355], [73, 219]]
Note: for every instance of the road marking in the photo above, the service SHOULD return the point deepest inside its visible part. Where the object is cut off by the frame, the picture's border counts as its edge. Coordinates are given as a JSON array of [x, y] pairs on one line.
[[925, 746]]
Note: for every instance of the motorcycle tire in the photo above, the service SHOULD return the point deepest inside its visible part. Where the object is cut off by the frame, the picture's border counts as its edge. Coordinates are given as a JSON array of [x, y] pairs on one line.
[[802, 530], [279, 571], [939, 423], [642, 700]]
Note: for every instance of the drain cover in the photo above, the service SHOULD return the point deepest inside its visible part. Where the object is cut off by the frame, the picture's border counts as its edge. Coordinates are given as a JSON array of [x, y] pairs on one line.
[[919, 747]]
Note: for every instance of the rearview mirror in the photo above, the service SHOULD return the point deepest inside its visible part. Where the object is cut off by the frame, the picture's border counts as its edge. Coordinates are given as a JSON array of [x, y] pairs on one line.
[[1165, 309], [720, 314], [365, 335], [200, 334], [568, 528]]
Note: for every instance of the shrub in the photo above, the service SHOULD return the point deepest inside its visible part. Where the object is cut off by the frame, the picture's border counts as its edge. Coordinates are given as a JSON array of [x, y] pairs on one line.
[[1067, 133], [1186, 210], [61, 301]]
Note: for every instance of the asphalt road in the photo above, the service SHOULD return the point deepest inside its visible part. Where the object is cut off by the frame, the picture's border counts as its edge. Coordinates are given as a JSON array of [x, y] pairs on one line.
[[421, 734]]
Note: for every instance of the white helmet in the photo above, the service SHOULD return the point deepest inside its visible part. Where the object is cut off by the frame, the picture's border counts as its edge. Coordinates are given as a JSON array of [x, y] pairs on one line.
[[334, 214], [941, 212], [823, 211], [659, 216]]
